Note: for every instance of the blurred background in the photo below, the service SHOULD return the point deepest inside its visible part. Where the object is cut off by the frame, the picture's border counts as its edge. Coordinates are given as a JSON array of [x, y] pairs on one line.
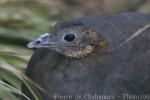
[[24, 20]]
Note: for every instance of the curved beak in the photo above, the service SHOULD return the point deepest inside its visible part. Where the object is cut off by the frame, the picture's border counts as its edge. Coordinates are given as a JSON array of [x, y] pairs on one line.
[[42, 41]]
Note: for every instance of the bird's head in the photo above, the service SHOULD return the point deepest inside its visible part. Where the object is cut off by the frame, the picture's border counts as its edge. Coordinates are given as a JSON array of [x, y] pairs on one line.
[[71, 39]]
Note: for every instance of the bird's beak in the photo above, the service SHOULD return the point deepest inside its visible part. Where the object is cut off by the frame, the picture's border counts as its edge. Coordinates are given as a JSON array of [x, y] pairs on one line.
[[42, 41]]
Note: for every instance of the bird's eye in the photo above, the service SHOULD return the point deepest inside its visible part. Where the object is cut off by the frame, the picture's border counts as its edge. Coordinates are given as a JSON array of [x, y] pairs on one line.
[[69, 37]]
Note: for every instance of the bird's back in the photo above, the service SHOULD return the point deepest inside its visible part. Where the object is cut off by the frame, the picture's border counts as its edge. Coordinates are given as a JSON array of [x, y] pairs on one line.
[[116, 28]]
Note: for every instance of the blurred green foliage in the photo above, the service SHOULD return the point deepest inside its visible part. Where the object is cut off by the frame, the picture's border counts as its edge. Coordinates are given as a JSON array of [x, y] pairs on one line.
[[23, 20]]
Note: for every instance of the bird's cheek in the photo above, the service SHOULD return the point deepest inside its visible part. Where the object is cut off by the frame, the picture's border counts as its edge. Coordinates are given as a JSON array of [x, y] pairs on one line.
[[85, 39]]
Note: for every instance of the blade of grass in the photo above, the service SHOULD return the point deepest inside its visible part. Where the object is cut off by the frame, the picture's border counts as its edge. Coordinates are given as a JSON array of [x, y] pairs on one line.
[[14, 89], [138, 32], [29, 84]]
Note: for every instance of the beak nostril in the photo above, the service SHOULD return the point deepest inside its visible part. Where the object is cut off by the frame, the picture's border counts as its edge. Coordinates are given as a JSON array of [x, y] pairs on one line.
[[42, 41], [38, 42]]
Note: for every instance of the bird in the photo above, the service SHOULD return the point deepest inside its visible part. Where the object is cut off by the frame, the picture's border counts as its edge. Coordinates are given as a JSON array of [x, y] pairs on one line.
[[93, 58]]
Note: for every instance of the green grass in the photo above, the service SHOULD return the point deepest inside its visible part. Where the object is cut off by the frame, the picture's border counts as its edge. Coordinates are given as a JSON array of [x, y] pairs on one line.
[[20, 22]]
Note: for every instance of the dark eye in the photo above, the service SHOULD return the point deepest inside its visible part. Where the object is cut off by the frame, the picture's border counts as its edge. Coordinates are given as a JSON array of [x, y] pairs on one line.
[[69, 37]]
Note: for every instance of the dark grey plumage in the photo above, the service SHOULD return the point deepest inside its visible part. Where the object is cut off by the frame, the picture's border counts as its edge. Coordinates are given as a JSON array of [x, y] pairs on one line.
[[125, 70]]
